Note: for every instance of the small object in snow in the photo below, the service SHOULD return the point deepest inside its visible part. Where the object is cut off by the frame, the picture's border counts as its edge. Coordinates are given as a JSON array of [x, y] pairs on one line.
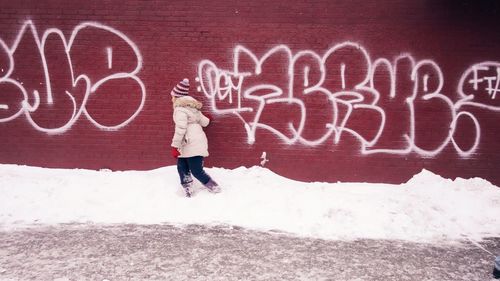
[[496, 269], [264, 159]]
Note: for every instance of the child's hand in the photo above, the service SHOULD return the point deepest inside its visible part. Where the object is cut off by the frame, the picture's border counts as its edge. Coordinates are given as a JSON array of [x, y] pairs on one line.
[[175, 152]]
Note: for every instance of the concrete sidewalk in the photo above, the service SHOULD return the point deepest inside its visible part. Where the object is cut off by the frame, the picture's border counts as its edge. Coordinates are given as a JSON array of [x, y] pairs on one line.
[[164, 252]]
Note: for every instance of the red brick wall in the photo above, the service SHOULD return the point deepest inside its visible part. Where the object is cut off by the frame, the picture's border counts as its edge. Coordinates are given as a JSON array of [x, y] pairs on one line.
[[330, 90]]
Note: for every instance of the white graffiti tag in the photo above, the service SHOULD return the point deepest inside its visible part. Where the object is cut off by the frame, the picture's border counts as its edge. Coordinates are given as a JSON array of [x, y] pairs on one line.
[[346, 92], [82, 84]]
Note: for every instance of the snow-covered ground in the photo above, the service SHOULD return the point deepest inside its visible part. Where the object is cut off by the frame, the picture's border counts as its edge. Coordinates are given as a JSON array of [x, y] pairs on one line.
[[428, 208]]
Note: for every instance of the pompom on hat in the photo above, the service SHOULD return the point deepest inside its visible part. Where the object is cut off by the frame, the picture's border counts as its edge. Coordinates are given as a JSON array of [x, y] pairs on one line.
[[181, 89]]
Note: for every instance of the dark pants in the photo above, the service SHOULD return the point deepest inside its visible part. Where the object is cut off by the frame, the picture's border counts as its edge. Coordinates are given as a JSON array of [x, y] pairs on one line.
[[191, 166]]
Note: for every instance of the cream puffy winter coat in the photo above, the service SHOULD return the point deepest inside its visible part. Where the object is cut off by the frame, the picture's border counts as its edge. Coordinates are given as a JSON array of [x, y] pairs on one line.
[[189, 137]]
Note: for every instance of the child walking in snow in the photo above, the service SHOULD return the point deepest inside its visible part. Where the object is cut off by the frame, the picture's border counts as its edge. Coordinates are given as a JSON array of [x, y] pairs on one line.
[[189, 144]]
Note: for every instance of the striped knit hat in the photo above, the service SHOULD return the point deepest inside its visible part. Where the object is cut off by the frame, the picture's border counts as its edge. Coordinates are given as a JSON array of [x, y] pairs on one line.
[[181, 89]]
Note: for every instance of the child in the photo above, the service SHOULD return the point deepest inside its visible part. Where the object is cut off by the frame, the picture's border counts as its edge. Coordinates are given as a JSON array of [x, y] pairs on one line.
[[189, 144]]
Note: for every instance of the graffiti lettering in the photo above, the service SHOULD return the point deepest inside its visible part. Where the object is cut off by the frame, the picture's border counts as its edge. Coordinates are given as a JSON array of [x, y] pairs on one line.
[[492, 85], [346, 81], [93, 82]]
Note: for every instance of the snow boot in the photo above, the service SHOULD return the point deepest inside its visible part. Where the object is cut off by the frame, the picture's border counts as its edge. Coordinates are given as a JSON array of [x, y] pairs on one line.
[[212, 186], [187, 189]]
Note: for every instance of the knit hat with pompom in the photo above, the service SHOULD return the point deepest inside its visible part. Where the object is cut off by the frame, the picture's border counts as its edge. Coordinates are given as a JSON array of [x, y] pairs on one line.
[[181, 89]]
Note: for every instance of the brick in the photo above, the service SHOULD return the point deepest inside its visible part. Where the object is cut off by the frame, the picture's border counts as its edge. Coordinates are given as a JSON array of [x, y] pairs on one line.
[[173, 37]]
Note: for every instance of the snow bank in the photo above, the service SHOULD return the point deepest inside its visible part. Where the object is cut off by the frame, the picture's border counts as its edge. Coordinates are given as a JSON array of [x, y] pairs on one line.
[[428, 208]]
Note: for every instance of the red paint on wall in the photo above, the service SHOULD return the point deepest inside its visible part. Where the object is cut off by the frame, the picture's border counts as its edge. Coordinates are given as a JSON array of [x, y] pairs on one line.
[[330, 90]]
